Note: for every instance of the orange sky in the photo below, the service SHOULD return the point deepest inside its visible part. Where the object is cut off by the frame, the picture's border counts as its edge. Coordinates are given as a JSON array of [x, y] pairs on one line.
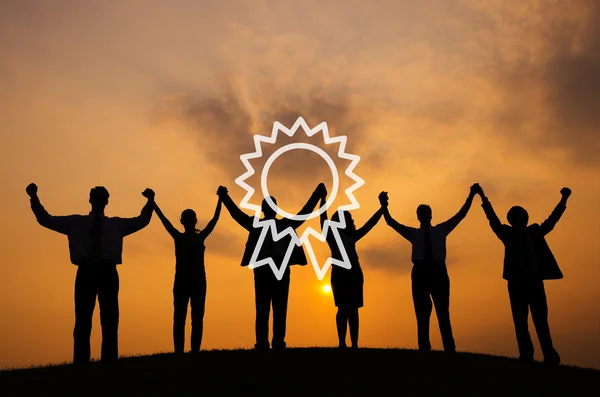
[[433, 96]]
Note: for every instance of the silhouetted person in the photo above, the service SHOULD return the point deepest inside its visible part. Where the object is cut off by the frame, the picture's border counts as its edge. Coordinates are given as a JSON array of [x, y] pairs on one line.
[[190, 275], [95, 245], [528, 261], [429, 273], [268, 289], [347, 284]]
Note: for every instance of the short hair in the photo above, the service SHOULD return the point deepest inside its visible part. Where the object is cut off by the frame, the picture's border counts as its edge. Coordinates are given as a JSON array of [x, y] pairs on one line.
[[99, 192], [517, 216], [423, 208], [188, 212]]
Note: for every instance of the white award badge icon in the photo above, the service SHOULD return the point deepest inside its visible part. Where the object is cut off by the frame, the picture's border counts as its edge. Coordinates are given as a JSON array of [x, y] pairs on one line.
[[270, 225]]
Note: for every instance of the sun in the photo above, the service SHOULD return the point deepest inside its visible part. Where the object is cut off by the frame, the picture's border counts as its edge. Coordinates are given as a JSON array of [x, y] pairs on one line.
[[327, 288]]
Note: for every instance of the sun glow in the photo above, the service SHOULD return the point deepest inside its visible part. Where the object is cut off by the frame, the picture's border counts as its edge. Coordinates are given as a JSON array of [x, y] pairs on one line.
[[327, 288]]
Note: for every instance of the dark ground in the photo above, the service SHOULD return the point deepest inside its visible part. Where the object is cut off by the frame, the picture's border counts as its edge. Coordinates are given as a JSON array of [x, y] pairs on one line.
[[306, 372]]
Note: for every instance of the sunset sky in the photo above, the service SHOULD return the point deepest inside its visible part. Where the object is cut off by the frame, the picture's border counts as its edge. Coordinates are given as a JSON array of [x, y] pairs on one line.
[[432, 95]]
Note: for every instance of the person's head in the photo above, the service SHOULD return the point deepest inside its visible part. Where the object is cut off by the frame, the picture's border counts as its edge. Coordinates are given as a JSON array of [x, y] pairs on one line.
[[98, 198], [350, 226], [517, 217], [188, 219], [424, 214], [267, 210]]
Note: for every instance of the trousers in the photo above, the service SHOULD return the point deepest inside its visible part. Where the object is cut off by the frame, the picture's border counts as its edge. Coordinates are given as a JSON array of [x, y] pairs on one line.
[[100, 281], [271, 291], [192, 291], [430, 281], [525, 295]]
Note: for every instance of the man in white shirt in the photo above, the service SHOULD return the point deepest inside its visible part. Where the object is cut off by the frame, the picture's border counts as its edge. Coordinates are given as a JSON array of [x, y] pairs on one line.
[[429, 274], [95, 246]]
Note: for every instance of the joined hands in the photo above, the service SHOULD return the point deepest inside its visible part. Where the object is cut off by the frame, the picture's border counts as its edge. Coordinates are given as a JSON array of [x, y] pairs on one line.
[[222, 191], [476, 189], [383, 199], [149, 194], [321, 191]]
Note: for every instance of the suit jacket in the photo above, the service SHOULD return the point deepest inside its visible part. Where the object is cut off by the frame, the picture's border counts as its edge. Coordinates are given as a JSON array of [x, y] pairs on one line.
[[275, 250], [78, 230], [547, 266]]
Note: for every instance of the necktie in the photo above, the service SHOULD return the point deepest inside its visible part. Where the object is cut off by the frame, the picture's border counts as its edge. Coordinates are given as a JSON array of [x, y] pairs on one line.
[[428, 246], [96, 237]]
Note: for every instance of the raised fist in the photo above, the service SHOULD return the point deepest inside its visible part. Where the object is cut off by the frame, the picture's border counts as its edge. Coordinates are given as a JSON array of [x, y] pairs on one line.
[[383, 199], [566, 192], [221, 191], [31, 190], [149, 194]]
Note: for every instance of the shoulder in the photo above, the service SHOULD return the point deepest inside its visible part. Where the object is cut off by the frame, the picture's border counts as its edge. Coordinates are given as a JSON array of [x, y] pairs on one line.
[[75, 218], [410, 229], [115, 220]]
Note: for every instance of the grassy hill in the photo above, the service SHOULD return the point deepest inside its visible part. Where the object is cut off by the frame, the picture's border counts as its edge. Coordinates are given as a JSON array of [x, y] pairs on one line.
[[306, 372]]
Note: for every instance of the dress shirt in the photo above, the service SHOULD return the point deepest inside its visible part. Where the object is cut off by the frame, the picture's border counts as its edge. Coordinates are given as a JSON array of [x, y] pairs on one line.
[[78, 230], [438, 235]]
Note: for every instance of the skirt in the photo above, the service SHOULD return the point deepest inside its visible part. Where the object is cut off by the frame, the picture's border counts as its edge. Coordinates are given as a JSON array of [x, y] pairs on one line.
[[347, 287]]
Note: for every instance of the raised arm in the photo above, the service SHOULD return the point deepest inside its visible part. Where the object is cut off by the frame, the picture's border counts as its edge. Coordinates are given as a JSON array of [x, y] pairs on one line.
[[237, 214], [60, 224], [132, 225], [404, 231], [319, 192], [451, 223], [323, 216], [497, 227], [210, 226], [166, 223], [547, 226], [370, 224]]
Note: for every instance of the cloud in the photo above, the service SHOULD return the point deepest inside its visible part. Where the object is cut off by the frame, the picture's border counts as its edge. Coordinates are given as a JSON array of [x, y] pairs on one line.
[[573, 80], [221, 244], [223, 121], [551, 93], [393, 258], [496, 90]]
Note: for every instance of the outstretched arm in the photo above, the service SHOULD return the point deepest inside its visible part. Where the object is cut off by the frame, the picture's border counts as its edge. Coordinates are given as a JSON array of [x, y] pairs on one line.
[[319, 192], [497, 227], [451, 223], [60, 224], [404, 231], [547, 226], [210, 226], [366, 228], [237, 214], [132, 225], [166, 223]]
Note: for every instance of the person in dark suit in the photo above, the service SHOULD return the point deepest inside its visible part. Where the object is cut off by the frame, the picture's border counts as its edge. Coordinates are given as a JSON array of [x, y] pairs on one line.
[[347, 284], [268, 289], [528, 261], [96, 248], [429, 277]]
